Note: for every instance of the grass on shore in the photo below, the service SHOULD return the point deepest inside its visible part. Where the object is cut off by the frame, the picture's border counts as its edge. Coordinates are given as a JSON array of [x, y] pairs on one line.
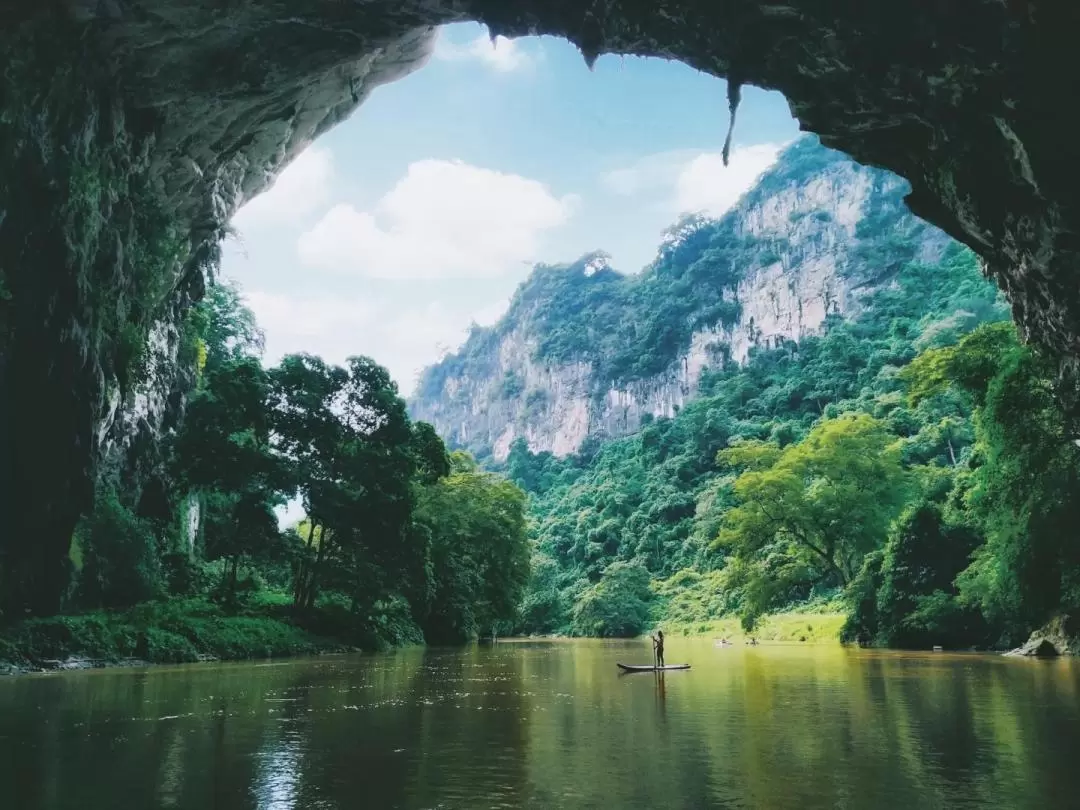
[[196, 629], [691, 603], [795, 627]]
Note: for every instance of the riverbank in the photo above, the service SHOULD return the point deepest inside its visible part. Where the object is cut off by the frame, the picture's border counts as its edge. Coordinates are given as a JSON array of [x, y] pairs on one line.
[[695, 604], [795, 627], [192, 630]]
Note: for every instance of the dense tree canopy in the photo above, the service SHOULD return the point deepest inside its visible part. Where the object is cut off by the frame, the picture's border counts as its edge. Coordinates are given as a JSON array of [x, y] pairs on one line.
[[1021, 490], [399, 540], [787, 478], [913, 462], [479, 554], [820, 505]]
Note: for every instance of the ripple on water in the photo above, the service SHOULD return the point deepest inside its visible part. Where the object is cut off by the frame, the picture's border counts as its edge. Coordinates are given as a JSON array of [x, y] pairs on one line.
[[553, 727]]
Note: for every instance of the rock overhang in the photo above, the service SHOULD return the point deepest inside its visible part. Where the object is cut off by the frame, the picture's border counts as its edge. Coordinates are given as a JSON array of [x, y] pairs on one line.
[[968, 100]]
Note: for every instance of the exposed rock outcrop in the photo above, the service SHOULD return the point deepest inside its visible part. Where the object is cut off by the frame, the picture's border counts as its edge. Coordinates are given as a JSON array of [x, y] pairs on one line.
[[816, 236], [1059, 636], [1036, 647], [132, 129]]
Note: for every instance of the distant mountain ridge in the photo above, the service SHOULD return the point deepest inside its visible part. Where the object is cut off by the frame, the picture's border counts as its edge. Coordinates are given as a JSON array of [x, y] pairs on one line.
[[585, 352]]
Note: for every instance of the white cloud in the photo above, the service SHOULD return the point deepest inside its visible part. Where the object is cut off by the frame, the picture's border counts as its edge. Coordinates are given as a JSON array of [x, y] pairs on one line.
[[501, 54], [489, 315], [404, 340], [650, 173], [444, 219], [300, 189], [292, 322], [688, 181], [706, 184]]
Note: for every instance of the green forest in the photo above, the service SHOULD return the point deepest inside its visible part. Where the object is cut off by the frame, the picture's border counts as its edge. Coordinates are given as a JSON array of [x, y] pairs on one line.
[[914, 468], [403, 542]]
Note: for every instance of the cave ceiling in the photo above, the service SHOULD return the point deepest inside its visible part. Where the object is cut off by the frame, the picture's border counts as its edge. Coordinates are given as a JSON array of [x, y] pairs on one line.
[[969, 100]]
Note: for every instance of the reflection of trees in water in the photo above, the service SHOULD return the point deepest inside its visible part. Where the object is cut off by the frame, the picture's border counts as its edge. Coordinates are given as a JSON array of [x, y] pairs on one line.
[[600, 740], [963, 730], [832, 728], [474, 730], [941, 731], [413, 729], [330, 730], [407, 728], [548, 725], [938, 702], [120, 738], [198, 737]]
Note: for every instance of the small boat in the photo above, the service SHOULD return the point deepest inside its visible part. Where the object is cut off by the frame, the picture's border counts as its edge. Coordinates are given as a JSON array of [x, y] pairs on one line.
[[647, 668]]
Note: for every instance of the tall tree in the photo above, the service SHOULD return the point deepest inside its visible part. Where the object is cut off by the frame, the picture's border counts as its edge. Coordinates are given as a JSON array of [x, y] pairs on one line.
[[228, 327], [811, 511], [351, 444], [479, 551], [1023, 491], [223, 453]]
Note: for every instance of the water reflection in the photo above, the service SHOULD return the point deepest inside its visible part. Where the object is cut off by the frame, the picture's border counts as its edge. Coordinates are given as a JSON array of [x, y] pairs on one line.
[[277, 774], [660, 694], [549, 725]]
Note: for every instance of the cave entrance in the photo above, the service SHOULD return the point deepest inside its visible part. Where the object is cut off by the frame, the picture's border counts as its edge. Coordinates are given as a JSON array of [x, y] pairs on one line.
[[421, 213], [131, 130]]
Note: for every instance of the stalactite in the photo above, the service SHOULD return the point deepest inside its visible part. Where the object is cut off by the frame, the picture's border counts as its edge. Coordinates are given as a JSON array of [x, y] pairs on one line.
[[734, 92]]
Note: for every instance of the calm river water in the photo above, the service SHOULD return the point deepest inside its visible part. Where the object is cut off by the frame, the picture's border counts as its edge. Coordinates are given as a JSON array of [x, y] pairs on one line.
[[550, 725]]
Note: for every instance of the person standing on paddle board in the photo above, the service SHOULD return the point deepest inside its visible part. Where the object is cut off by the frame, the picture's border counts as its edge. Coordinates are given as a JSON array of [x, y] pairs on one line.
[[658, 647]]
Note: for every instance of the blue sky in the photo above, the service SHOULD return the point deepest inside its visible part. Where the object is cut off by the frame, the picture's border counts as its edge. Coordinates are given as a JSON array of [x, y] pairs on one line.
[[423, 212]]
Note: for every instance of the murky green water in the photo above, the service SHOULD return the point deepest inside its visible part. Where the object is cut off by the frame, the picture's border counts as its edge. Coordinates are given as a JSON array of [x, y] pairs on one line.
[[550, 725]]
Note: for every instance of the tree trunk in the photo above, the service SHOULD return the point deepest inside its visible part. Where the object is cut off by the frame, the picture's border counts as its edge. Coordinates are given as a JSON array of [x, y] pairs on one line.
[[316, 568], [303, 569], [224, 576]]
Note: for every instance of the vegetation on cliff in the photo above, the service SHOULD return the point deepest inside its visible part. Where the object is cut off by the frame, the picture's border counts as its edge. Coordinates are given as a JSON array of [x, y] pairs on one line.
[[913, 465], [402, 542], [626, 328]]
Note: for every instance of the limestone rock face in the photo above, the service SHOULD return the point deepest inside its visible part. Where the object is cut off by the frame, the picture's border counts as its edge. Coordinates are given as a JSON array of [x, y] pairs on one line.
[[815, 236]]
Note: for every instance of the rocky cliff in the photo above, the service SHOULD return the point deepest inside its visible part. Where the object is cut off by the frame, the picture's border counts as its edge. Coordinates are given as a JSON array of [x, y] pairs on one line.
[[584, 351]]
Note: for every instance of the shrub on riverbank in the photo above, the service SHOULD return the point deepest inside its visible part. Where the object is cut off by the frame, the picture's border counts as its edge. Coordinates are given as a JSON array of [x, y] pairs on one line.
[[186, 630], [693, 603], [809, 628]]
